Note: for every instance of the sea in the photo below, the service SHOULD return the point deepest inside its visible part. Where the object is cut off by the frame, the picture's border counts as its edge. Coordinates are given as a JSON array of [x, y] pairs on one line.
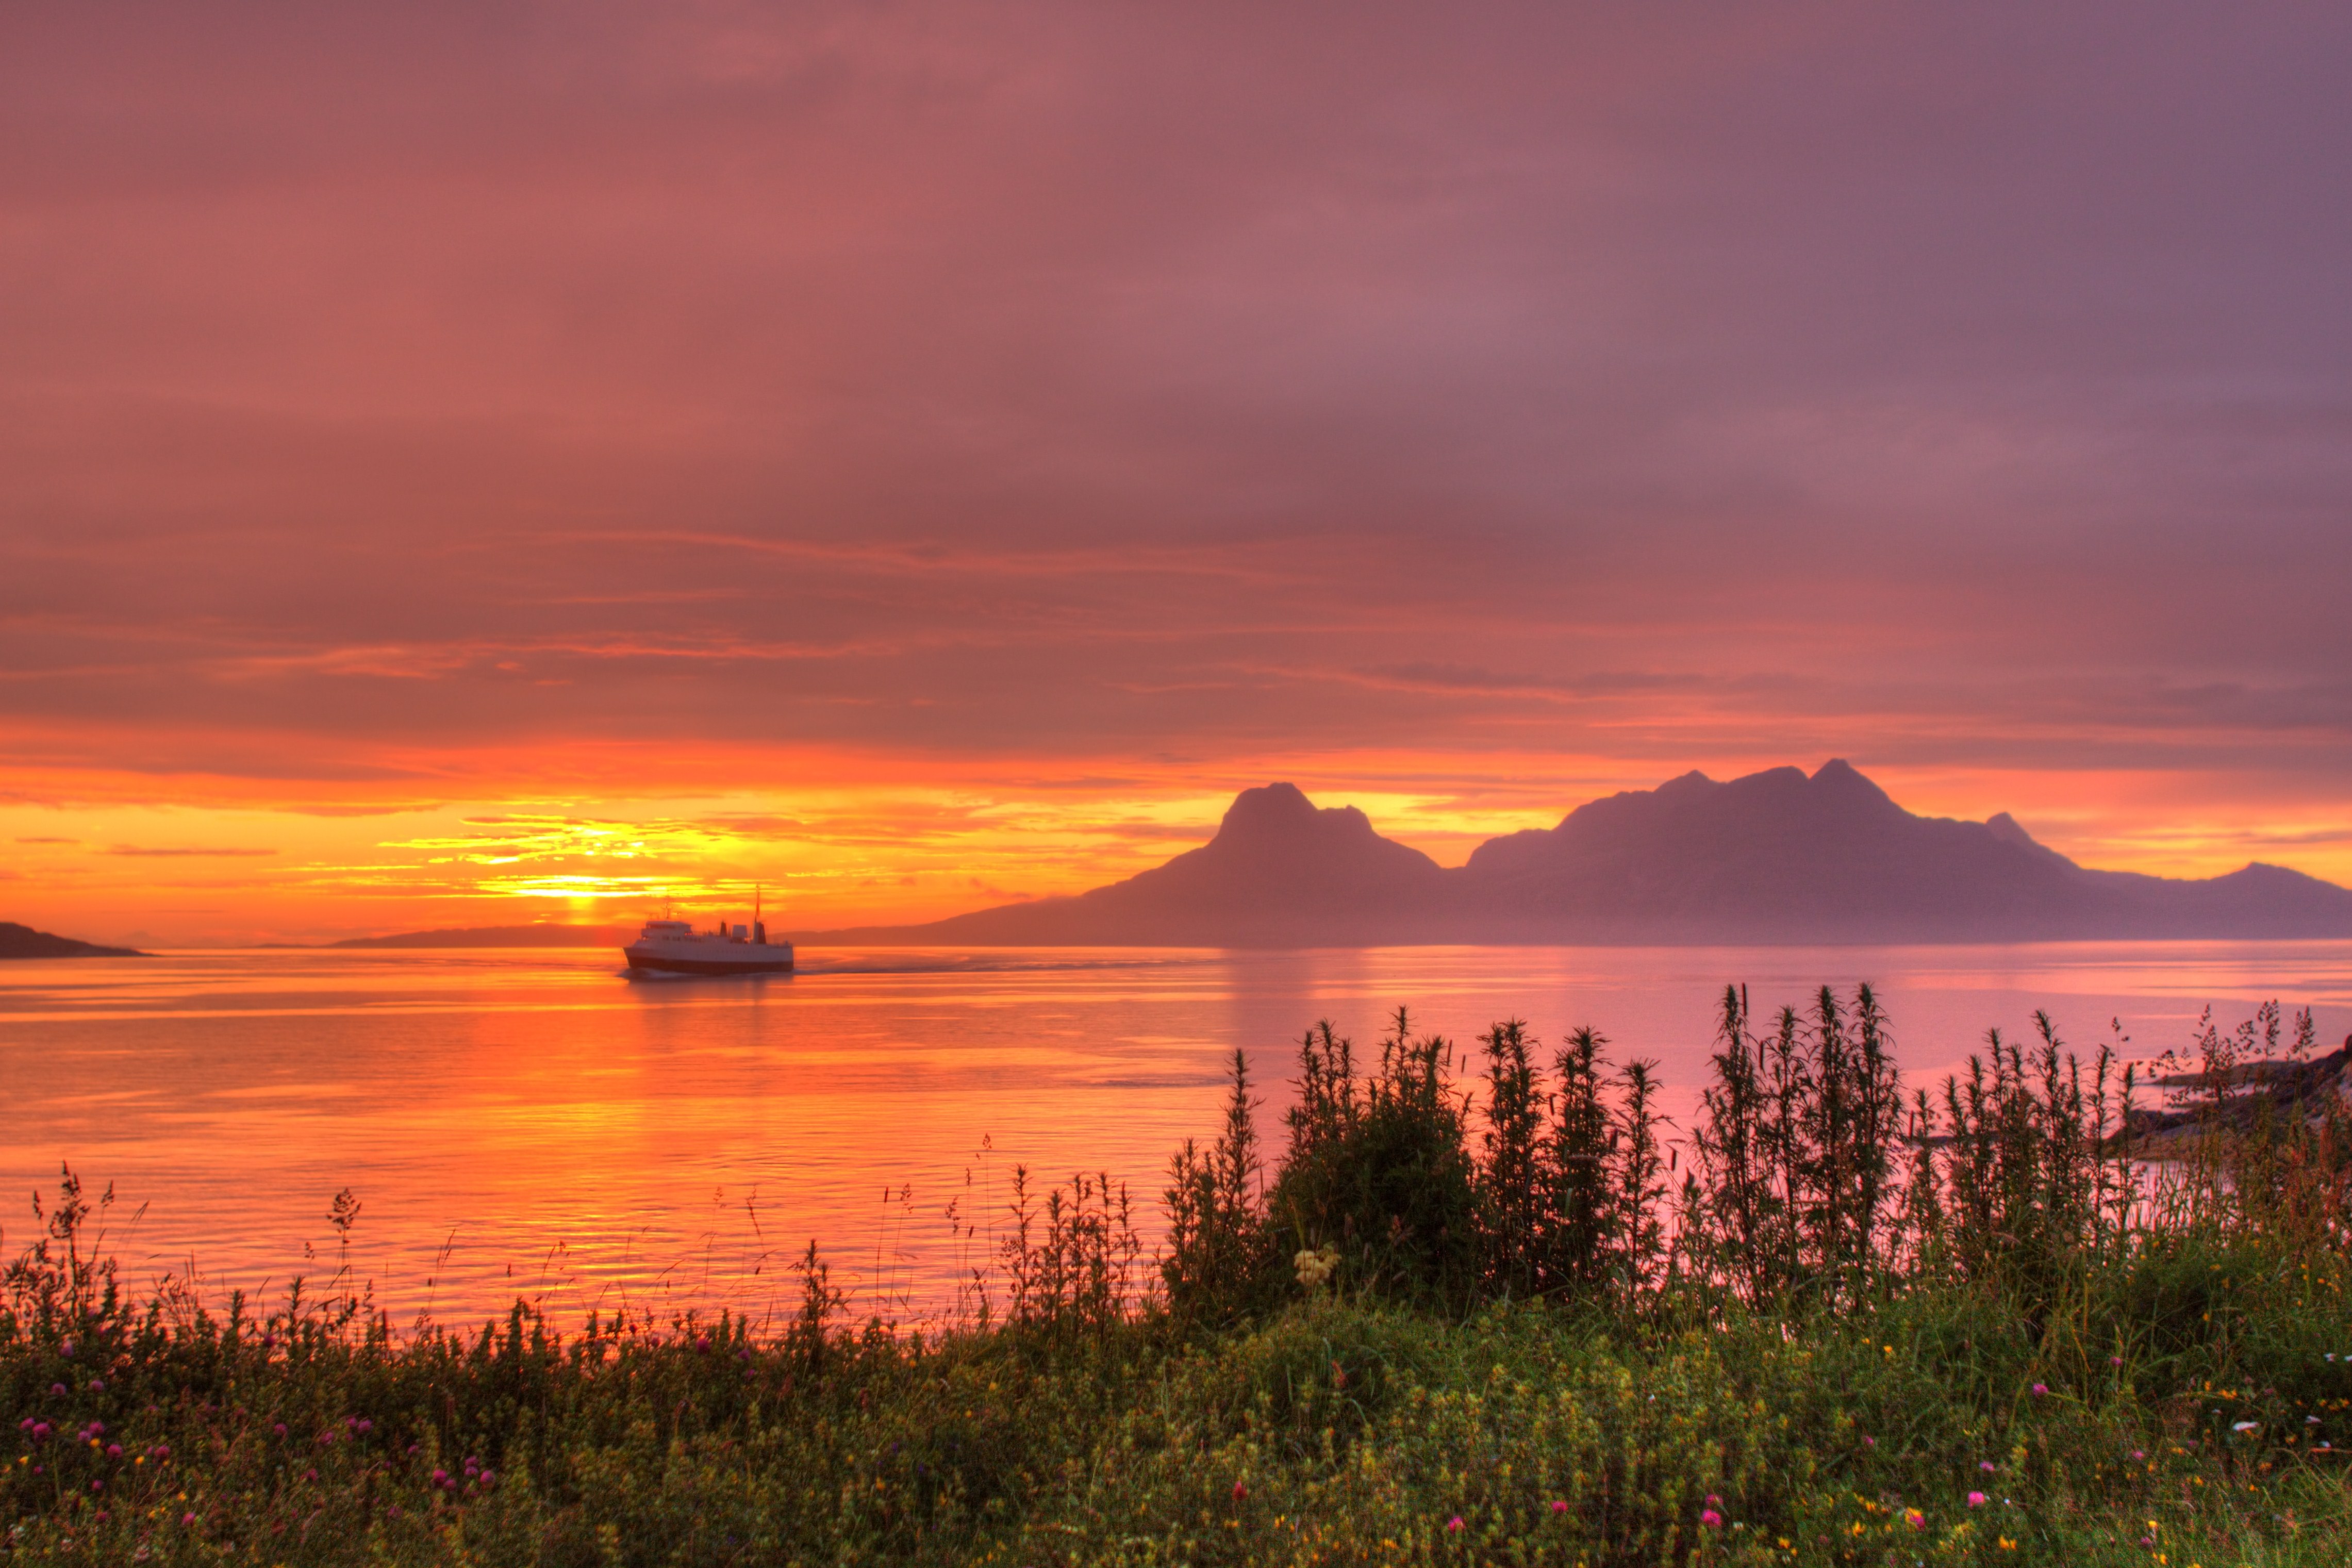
[[535, 1126]]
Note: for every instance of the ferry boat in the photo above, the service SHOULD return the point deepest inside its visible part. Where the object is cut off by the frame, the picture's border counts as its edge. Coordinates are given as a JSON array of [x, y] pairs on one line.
[[675, 948]]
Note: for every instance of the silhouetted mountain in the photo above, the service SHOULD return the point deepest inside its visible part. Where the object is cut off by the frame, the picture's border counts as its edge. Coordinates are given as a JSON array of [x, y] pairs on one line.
[[24, 942], [1774, 857], [1779, 857], [1279, 872]]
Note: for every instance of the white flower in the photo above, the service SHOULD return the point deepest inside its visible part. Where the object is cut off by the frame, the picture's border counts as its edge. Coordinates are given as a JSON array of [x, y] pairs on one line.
[[1315, 1267]]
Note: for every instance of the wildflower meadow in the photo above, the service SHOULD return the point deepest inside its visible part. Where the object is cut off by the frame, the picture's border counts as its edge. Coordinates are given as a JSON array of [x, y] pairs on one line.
[[1483, 1305]]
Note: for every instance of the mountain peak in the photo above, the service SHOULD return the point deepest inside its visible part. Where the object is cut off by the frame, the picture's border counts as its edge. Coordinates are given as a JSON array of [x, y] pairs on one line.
[[2007, 828], [1274, 815], [1268, 806], [1839, 780]]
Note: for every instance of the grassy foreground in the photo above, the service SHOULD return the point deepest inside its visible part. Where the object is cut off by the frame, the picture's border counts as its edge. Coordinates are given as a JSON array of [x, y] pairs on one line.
[[1340, 1377]]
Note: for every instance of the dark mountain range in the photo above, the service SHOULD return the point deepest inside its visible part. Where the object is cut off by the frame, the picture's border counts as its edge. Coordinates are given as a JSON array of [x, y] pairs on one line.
[[1779, 856], [1776, 857], [24, 942]]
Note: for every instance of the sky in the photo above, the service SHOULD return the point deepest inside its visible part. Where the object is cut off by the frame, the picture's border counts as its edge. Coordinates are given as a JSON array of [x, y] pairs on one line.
[[464, 464]]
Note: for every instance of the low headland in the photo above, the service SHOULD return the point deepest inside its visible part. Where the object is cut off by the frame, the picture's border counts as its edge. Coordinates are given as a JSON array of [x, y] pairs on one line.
[[1479, 1307], [24, 942]]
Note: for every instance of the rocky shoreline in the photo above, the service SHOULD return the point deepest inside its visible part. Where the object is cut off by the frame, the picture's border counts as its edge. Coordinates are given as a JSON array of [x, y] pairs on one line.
[[2251, 1091]]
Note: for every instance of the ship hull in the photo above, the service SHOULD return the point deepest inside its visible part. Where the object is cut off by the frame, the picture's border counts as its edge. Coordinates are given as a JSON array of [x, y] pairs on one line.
[[691, 963]]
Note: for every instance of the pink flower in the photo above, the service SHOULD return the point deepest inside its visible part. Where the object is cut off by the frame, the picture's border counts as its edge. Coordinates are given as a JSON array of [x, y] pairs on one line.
[[1985, 1465], [1710, 1518], [2039, 1389], [1559, 1507], [187, 1519], [1976, 1499], [1455, 1523], [1240, 1491], [1915, 1519]]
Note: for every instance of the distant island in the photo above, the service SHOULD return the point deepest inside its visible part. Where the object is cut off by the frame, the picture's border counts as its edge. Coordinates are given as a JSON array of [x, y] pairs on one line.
[[1777, 857], [24, 942], [483, 936]]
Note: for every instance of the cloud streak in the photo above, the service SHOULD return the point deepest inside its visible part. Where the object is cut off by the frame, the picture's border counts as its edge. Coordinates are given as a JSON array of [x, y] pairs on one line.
[[145, 851]]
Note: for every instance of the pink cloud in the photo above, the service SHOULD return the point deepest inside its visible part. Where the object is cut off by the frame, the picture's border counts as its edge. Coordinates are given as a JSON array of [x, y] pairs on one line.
[[391, 389]]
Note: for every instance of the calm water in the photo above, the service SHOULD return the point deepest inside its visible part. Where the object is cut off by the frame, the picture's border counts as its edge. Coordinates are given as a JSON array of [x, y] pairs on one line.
[[530, 1123]]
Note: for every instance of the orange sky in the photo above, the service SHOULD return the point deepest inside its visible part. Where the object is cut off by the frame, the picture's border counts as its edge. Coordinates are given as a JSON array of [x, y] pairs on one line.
[[472, 462], [851, 838]]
